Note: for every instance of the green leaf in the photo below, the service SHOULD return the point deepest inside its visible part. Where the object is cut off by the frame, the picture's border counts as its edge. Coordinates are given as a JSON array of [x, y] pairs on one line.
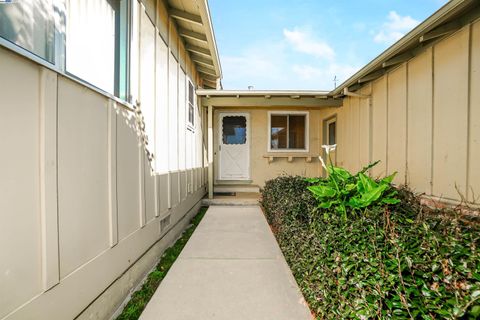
[[365, 183], [370, 166], [313, 180], [389, 179], [341, 173], [391, 201], [475, 311], [322, 191], [326, 204]]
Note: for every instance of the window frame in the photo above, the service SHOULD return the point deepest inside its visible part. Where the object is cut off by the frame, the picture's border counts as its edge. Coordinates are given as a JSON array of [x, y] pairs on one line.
[[190, 125], [307, 131], [326, 133]]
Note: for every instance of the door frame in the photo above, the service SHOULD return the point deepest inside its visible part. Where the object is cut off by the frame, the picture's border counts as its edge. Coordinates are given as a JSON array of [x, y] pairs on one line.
[[221, 115]]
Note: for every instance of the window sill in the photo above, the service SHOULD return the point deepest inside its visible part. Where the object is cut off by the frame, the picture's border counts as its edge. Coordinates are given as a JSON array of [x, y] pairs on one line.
[[290, 157]]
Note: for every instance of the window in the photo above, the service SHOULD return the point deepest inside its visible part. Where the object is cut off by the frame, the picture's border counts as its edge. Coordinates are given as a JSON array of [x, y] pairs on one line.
[[30, 25], [288, 131], [330, 131], [332, 127], [330, 137], [234, 130], [97, 42], [191, 104]]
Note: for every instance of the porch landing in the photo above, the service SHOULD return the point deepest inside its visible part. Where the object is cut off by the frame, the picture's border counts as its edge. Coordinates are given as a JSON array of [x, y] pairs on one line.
[[239, 199], [231, 268]]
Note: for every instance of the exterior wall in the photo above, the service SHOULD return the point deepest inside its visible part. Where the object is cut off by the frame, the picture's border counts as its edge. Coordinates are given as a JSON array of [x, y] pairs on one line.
[[80, 202], [260, 169], [422, 120]]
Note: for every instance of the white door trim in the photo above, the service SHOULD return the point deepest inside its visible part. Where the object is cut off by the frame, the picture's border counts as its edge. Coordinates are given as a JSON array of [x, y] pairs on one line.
[[221, 146]]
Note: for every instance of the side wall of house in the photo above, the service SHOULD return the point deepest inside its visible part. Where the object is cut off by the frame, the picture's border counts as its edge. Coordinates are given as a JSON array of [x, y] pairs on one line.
[[422, 120], [80, 203]]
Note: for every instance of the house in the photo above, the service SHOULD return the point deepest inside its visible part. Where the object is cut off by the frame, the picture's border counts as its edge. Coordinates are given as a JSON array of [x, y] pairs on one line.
[[114, 126], [415, 107]]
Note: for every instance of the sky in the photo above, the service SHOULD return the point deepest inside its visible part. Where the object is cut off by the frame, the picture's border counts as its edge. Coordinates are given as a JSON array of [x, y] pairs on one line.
[[306, 44]]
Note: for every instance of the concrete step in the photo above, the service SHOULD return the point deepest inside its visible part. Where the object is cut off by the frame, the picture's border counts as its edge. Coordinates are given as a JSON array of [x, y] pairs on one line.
[[236, 188], [229, 202]]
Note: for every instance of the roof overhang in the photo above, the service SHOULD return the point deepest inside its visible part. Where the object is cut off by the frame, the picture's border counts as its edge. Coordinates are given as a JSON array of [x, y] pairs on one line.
[[195, 28], [267, 98], [448, 19]]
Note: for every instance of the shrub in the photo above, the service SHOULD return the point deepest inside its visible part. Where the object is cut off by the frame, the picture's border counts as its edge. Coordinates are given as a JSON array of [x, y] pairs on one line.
[[287, 197], [389, 262]]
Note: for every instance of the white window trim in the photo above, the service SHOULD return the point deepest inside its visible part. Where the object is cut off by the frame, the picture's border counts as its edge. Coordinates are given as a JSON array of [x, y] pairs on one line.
[[307, 131], [190, 126]]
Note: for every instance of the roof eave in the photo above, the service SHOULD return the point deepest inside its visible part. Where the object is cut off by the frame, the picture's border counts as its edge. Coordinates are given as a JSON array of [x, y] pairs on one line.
[[210, 33]]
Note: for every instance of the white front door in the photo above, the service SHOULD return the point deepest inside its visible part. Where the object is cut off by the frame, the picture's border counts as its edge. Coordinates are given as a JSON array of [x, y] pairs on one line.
[[234, 146]]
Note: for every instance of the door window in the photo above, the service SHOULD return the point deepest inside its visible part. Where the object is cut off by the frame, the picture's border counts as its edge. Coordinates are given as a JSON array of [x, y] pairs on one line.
[[234, 130]]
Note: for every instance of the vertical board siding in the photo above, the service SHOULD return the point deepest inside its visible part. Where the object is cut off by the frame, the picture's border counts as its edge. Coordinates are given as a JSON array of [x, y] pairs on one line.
[[128, 180], [364, 131], [163, 193], [147, 76], [49, 178], [379, 126], [473, 191], [20, 264], [420, 122], [150, 195], [174, 189], [397, 123], [450, 115], [83, 183], [161, 107], [354, 136]]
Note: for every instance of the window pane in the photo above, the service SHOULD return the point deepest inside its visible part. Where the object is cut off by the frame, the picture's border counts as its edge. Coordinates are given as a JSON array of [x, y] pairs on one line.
[[191, 93], [279, 132], [190, 114], [91, 41], [296, 132], [331, 133], [30, 25], [234, 130]]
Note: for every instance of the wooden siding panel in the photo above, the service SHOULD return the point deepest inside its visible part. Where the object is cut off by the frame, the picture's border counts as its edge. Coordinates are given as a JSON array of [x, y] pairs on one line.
[[474, 147], [420, 122], [379, 126], [83, 182], [397, 123], [450, 115]]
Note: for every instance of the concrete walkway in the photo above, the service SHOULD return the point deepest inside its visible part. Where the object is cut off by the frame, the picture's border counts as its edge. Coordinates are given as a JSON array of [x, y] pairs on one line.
[[231, 268]]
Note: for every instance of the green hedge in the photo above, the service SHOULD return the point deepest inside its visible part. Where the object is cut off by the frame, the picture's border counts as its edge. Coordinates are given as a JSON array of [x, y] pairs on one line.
[[388, 262]]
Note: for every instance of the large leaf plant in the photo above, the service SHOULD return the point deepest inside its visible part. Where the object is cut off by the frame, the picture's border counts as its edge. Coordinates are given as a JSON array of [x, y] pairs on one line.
[[344, 192]]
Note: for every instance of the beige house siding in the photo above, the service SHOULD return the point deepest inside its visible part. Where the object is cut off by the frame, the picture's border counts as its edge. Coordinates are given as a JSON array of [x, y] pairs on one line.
[[80, 204], [422, 120]]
